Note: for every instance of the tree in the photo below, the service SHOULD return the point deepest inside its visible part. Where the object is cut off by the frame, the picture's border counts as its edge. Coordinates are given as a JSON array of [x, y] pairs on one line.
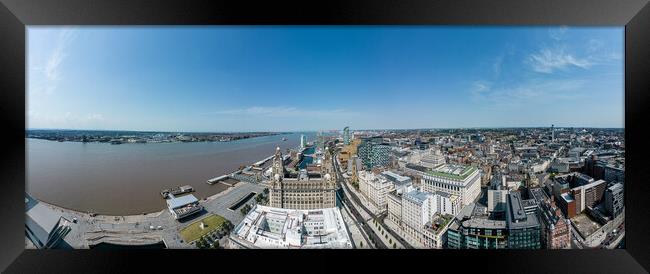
[[394, 245], [246, 209], [361, 244]]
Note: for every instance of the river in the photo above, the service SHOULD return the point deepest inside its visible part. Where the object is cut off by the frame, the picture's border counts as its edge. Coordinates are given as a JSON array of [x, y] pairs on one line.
[[127, 179]]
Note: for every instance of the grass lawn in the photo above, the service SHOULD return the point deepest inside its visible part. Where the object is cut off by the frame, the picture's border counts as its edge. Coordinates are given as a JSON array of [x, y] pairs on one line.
[[193, 231]]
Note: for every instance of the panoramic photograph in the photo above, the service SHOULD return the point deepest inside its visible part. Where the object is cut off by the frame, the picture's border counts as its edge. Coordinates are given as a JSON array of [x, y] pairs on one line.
[[324, 137]]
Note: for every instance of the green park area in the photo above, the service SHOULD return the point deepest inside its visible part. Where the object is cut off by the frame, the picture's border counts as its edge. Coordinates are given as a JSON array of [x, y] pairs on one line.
[[194, 231]]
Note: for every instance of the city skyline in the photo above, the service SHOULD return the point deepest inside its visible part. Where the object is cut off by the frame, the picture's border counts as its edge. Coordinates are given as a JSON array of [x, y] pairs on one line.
[[229, 79]]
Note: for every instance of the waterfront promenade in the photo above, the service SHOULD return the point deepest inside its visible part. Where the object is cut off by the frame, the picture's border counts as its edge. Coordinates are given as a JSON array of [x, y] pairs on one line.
[[137, 229]]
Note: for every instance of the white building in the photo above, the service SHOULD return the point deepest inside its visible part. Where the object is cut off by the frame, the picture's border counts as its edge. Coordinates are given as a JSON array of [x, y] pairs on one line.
[[462, 181], [273, 228], [429, 158], [376, 188], [183, 206], [497, 199], [303, 141], [418, 215]]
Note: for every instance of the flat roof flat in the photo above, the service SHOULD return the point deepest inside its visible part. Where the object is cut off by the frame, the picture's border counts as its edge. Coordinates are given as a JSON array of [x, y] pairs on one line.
[[177, 202]]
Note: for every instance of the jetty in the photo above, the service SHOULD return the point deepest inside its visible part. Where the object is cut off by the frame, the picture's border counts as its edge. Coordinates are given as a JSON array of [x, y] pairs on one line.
[[176, 191]]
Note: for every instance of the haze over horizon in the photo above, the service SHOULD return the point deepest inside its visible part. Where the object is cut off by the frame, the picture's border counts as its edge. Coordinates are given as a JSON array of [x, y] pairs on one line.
[[242, 79]]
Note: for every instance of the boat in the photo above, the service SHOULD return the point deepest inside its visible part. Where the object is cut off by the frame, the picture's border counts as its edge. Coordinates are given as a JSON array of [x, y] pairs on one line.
[[284, 138]]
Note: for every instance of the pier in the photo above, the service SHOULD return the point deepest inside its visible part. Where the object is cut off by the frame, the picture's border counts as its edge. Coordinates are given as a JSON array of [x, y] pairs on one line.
[[176, 191]]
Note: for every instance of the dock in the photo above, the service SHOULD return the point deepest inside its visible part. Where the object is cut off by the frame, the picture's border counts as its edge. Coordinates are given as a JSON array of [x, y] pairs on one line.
[[217, 179], [176, 191]]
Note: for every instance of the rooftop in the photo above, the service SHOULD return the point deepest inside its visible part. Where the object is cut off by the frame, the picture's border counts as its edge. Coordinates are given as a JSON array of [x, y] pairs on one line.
[[454, 172], [176, 202], [269, 227], [417, 195], [516, 217], [396, 176]]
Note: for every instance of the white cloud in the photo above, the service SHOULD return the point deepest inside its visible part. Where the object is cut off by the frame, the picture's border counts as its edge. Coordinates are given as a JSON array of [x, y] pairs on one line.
[[524, 94], [548, 60], [496, 66], [52, 67], [558, 33], [594, 45]]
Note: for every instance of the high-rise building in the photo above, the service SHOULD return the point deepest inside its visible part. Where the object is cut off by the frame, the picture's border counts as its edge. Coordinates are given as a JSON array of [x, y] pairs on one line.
[[303, 141], [463, 181], [614, 174], [303, 191], [552, 133], [346, 136], [373, 154], [524, 230], [614, 199], [497, 200]]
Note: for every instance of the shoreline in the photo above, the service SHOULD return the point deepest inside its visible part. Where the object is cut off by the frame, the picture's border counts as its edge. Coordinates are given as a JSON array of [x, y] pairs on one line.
[[158, 142], [228, 188], [144, 214]]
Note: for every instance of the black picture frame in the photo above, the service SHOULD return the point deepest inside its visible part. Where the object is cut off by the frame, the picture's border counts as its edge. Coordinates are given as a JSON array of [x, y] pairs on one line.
[[15, 15]]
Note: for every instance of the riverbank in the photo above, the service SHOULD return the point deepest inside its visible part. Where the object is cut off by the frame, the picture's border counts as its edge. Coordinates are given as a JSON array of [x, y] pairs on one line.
[[147, 228], [79, 176]]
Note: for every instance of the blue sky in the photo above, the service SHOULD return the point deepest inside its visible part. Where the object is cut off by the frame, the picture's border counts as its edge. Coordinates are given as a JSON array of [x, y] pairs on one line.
[[310, 78]]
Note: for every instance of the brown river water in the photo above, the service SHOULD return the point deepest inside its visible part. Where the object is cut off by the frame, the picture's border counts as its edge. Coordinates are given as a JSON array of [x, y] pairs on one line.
[[127, 179]]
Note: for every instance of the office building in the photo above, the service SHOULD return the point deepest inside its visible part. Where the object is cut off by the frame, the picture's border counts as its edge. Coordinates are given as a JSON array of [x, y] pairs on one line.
[[302, 190], [303, 141], [497, 199], [422, 217], [432, 158], [555, 230], [472, 229], [575, 192], [614, 199], [614, 174], [523, 229], [372, 153], [375, 187], [346, 136], [462, 181], [396, 178], [270, 227]]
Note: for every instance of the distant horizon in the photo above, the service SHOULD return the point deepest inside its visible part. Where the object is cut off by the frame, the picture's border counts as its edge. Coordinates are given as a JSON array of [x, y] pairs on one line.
[[292, 79], [325, 130]]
